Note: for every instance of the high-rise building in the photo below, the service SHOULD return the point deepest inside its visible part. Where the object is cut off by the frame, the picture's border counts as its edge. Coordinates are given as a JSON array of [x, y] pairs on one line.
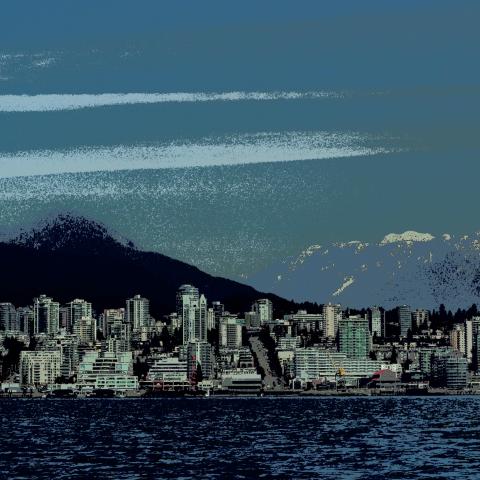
[[458, 339], [210, 319], [138, 312], [8, 317], [404, 316], [354, 337], [86, 330], [63, 317], [109, 316], [174, 322], [67, 345], [468, 339], [218, 311], [376, 321], [25, 320], [69, 354], [251, 320], [456, 370], [263, 308], [115, 345], [192, 309], [302, 320], [46, 315], [117, 330], [230, 331], [449, 369], [476, 343], [421, 317], [186, 291], [332, 314], [427, 357], [77, 309], [39, 367], [200, 354]]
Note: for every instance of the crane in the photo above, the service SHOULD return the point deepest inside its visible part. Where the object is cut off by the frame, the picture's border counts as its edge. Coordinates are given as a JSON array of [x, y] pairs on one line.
[[339, 373]]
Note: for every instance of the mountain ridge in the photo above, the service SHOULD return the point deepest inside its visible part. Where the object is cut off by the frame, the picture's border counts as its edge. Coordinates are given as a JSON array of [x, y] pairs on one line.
[[407, 268], [74, 257]]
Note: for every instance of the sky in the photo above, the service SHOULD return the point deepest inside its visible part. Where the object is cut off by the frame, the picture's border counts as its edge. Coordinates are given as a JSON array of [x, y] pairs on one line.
[[234, 135]]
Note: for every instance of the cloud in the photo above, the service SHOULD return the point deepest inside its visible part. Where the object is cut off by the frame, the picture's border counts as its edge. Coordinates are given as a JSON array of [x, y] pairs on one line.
[[58, 102], [210, 151]]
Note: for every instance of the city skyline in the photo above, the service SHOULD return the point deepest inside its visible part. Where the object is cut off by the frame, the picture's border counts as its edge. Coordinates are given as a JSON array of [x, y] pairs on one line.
[[239, 239], [203, 347]]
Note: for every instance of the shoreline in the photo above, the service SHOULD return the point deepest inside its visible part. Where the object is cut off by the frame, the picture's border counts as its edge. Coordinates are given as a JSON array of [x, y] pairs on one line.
[[278, 394]]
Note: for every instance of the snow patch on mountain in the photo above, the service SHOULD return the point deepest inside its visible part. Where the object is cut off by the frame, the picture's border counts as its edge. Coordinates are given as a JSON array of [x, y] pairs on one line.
[[347, 282], [412, 268], [305, 254], [409, 237]]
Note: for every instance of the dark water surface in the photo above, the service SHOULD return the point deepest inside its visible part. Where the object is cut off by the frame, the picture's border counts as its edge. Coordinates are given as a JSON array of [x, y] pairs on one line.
[[241, 438]]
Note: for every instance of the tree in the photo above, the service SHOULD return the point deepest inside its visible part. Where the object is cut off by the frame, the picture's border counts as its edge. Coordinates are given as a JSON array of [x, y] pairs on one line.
[[140, 368], [199, 373], [32, 344], [10, 361], [394, 356], [472, 311], [406, 364], [178, 336], [212, 339], [409, 336]]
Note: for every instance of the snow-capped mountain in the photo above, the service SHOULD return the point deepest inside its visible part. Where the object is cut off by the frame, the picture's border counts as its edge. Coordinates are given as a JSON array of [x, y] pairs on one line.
[[413, 268]]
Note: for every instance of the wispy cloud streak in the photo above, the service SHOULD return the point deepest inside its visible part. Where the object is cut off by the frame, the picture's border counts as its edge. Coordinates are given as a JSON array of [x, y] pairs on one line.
[[58, 102], [227, 150]]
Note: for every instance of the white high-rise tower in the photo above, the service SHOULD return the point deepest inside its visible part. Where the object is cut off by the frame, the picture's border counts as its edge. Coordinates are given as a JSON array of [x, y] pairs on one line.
[[192, 309], [137, 312]]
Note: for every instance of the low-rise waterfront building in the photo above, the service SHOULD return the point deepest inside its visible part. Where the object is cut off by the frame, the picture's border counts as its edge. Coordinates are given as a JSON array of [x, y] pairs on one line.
[[456, 371], [39, 368], [169, 372], [98, 369], [242, 381], [317, 364]]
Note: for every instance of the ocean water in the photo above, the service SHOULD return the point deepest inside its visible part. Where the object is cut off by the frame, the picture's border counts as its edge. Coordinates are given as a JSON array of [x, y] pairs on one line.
[[350, 438]]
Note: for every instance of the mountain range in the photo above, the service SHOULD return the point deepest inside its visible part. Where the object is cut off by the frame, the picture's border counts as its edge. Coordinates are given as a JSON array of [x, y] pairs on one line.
[[72, 257], [411, 268]]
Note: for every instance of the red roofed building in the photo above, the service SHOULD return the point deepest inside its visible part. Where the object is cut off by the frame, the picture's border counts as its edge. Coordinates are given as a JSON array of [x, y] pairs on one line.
[[383, 379]]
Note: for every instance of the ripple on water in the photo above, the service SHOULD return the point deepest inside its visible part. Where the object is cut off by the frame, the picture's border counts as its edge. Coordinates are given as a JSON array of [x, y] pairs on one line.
[[354, 438]]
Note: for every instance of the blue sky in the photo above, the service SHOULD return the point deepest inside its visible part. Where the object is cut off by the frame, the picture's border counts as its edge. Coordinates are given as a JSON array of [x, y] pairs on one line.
[[328, 122]]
